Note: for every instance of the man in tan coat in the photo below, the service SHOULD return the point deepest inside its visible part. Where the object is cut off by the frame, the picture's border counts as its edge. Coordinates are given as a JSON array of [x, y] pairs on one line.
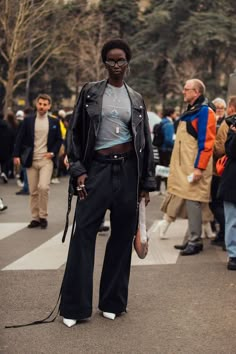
[[191, 161]]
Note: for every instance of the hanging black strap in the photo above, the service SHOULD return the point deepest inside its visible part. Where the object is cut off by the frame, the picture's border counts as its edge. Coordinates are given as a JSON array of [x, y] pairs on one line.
[[46, 319], [70, 196]]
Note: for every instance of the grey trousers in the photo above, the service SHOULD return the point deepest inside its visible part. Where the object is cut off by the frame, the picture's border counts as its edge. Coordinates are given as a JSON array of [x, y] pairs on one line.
[[194, 211]]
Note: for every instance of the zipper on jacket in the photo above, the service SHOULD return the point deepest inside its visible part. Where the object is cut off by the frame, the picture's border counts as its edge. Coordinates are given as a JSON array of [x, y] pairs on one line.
[[86, 148]]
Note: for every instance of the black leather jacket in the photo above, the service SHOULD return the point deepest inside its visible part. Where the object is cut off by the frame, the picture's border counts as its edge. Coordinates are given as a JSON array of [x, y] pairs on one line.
[[84, 128]]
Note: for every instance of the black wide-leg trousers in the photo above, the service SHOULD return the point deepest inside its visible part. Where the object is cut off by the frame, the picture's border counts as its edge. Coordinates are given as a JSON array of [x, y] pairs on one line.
[[110, 185]]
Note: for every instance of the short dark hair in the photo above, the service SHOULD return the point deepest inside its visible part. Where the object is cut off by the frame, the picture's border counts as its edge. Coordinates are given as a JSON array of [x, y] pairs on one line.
[[167, 111], [44, 96], [116, 44]]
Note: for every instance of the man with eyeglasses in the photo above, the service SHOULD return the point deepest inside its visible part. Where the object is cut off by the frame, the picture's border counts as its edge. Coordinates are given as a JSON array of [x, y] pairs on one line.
[[191, 161]]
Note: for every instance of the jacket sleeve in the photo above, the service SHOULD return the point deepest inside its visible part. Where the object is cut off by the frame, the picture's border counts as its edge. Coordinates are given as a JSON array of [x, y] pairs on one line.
[[230, 145], [206, 137], [74, 143], [221, 136], [58, 139], [148, 182]]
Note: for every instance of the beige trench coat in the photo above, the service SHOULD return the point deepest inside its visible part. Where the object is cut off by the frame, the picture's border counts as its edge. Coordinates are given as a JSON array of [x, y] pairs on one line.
[[182, 164]]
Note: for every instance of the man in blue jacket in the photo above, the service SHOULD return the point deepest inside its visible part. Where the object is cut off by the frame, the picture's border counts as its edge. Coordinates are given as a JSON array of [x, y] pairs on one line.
[[37, 143]]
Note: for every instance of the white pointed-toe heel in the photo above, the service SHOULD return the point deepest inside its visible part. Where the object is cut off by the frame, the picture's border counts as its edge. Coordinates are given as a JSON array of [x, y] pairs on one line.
[[68, 322], [109, 315]]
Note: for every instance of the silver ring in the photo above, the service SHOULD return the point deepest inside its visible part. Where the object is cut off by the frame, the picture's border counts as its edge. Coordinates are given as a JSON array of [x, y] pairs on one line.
[[82, 185], [79, 189]]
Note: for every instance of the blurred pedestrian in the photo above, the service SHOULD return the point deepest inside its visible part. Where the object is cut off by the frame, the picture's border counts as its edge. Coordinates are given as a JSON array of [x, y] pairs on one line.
[[220, 109], [111, 161], [227, 192], [6, 146], [167, 142], [13, 125], [2, 205], [191, 161], [216, 204], [37, 143]]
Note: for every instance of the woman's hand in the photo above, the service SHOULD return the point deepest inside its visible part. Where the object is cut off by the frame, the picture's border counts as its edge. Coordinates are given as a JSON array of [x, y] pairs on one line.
[[81, 186], [144, 195]]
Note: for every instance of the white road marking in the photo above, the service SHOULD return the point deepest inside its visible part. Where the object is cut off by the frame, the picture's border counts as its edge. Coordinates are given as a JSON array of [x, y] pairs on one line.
[[53, 254], [50, 255], [162, 251], [8, 228]]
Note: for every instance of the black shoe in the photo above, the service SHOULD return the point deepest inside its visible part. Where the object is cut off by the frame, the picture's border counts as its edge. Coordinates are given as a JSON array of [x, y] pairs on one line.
[[191, 249], [22, 192], [224, 247], [231, 263], [103, 228], [181, 247], [33, 224], [43, 223], [219, 240]]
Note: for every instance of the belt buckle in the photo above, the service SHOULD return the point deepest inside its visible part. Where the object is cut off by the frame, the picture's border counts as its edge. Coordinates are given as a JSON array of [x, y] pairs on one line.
[[116, 157]]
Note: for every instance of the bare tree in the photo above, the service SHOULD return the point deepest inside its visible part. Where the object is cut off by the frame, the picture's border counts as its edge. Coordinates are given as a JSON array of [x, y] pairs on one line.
[[84, 56], [28, 28]]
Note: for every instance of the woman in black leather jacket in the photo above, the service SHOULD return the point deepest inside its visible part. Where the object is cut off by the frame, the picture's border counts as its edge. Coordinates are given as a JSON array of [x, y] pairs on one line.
[[111, 161]]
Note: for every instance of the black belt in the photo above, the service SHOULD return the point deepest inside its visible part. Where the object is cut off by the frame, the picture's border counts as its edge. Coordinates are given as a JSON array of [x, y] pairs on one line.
[[113, 158]]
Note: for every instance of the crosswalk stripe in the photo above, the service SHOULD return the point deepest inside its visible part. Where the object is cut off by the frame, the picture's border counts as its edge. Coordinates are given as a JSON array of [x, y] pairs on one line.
[[9, 228], [50, 255], [162, 251]]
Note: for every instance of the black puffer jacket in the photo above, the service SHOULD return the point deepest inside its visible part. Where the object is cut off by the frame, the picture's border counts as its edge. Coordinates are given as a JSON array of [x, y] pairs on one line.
[[84, 128], [227, 188]]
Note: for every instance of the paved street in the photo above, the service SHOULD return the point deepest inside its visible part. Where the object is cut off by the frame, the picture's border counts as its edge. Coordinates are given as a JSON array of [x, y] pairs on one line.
[[176, 304]]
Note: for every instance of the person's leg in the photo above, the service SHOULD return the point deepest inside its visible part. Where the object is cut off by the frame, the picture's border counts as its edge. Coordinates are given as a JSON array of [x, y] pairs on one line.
[[114, 283], [230, 228], [194, 212], [194, 245], [33, 180], [77, 289], [45, 174], [217, 208], [25, 181]]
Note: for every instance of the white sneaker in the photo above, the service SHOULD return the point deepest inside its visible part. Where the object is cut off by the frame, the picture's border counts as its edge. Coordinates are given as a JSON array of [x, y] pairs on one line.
[[68, 322], [55, 180], [4, 177], [207, 231], [109, 315], [19, 183], [2, 206], [162, 228]]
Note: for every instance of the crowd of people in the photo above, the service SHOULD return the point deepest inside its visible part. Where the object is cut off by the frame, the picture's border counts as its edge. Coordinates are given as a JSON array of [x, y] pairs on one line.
[[107, 148], [194, 187]]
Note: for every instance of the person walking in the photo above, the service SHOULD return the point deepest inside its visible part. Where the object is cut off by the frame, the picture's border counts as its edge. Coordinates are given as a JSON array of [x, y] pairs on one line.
[[216, 204], [227, 193], [166, 128], [37, 143], [191, 161], [111, 161]]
